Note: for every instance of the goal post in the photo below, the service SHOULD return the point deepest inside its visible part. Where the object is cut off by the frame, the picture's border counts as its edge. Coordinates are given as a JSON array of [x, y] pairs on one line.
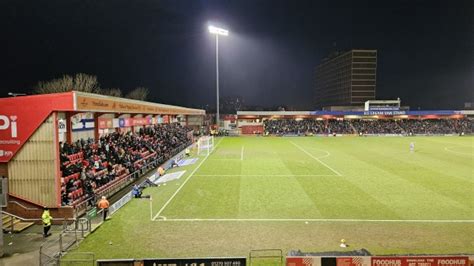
[[205, 145]]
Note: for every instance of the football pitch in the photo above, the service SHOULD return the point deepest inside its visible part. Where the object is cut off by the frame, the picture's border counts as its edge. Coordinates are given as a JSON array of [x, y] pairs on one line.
[[304, 193]]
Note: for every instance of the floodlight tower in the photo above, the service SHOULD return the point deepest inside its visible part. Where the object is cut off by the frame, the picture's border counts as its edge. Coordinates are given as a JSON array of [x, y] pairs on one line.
[[217, 31]]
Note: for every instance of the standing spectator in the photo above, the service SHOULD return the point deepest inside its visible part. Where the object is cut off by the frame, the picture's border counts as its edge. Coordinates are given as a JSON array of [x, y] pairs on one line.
[[161, 171], [46, 218], [104, 206]]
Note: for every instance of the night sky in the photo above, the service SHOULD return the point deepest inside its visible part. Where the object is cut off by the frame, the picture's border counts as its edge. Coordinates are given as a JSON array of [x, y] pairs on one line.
[[425, 48]]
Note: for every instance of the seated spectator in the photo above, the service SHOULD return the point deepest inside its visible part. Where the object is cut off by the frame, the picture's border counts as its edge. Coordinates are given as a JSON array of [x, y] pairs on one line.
[[362, 127], [115, 155]]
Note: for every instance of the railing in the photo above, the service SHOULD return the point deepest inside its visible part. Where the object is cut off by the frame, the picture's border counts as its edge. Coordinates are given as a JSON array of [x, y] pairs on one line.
[[79, 258], [265, 257], [52, 250], [23, 206], [64, 221]]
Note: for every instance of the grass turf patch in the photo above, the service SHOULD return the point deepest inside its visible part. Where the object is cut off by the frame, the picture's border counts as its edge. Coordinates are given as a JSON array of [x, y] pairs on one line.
[[295, 178]]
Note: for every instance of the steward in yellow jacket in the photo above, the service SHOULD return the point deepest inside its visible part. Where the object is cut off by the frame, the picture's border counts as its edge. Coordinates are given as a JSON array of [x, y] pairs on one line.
[[46, 218]]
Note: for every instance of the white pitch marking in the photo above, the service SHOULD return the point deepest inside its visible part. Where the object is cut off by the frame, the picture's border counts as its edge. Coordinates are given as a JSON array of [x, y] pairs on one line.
[[311, 220], [316, 158], [242, 154], [457, 152], [224, 159], [185, 181], [260, 175], [327, 154]]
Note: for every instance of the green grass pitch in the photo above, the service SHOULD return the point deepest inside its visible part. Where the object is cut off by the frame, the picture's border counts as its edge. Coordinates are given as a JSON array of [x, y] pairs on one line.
[[304, 193]]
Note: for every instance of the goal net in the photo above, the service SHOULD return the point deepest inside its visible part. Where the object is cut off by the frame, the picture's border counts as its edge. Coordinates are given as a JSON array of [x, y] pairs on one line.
[[205, 145]]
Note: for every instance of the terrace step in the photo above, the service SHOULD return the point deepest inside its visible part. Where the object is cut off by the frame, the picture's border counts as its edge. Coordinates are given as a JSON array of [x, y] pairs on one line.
[[18, 225]]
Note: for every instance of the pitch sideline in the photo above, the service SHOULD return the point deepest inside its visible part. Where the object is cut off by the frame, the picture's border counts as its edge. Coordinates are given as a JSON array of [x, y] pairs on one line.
[[244, 175], [185, 181], [308, 220]]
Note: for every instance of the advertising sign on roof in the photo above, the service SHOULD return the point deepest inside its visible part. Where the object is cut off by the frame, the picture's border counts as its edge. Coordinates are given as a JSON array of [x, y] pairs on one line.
[[94, 103]]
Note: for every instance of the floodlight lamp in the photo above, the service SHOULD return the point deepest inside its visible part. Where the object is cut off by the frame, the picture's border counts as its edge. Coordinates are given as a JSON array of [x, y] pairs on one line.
[[218, 31]]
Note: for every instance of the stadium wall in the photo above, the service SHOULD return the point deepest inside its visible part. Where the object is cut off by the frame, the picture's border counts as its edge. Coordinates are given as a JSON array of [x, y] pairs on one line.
[[32, 173], [27, 210]]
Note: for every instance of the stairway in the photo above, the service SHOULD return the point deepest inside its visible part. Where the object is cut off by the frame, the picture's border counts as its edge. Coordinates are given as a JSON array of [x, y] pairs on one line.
[[18, 225], [353, 128]]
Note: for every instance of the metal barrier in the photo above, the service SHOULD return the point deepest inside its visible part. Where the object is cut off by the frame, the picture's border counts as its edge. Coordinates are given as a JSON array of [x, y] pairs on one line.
[[47, 258], [53, 248], [78, 258], [81, 225], [266, 257]]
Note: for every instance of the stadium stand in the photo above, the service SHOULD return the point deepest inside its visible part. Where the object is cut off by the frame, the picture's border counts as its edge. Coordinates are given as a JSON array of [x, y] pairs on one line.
[[377, 127], [369, 127], [89, 167]]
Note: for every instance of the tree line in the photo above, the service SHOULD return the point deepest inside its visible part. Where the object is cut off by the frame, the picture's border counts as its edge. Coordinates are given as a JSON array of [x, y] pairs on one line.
[[87, 83]]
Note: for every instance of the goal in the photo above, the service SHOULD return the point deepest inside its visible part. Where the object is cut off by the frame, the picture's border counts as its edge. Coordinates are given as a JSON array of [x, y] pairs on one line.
[[205, 145]]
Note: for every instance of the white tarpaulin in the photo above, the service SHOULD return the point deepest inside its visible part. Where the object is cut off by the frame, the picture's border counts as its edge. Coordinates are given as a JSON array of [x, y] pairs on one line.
[[187, 161], [166, 178]]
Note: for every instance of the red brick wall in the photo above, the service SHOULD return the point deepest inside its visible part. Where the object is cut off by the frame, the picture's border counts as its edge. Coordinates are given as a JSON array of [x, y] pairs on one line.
[[34, 211]]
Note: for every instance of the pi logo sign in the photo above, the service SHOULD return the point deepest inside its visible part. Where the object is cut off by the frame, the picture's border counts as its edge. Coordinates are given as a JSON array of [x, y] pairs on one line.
[[9, 123]]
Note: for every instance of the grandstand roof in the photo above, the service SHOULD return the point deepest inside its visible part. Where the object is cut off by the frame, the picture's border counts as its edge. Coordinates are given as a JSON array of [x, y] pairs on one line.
[[356, 113], [21, 116], [100, 103], [90, 102], [272, 113]]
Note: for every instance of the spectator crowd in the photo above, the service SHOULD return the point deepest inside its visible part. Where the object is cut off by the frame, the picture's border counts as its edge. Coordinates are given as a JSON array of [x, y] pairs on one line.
[[306, 127], [87, 166], [364, 127]]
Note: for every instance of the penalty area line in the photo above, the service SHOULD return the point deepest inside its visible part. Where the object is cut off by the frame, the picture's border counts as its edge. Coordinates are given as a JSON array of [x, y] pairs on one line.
[[316, 158], [310, 220], [184, 183]]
